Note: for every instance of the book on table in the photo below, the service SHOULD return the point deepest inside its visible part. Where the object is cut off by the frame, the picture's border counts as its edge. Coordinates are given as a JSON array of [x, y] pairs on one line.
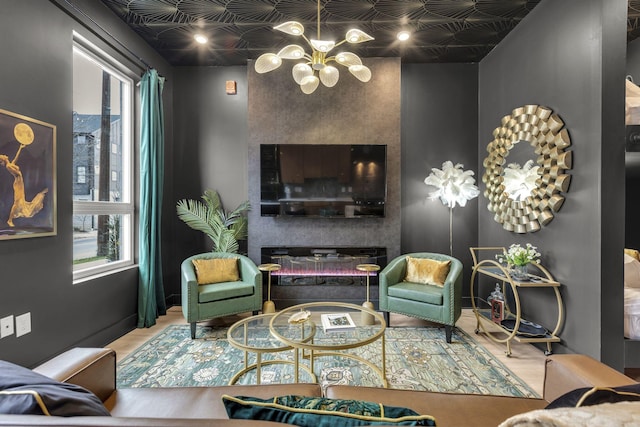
[[337, 322]]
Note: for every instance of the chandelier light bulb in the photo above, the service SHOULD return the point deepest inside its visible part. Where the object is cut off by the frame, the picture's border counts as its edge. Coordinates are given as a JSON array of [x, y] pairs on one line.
[[267, 62], [292, 51], [329, 76], [291, 27], [357, 36], [322, 45], [347, 59], [361, 72], [300, 71], [309, 84]]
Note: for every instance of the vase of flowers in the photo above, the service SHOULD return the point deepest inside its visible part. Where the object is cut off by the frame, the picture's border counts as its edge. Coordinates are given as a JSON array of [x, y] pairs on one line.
[[518, 258]]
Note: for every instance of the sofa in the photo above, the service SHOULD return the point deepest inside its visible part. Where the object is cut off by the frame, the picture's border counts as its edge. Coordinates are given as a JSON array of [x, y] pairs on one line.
[[95, 370]]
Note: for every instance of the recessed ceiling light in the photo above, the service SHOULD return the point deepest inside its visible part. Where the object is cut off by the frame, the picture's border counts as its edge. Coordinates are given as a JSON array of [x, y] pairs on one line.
[[200, 38], [403, 35]]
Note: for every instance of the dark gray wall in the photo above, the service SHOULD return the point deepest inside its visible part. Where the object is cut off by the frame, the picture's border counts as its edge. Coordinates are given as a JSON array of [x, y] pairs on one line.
[[569, 56], [632, 205], [36, 81], [439, 123], [210, 150]]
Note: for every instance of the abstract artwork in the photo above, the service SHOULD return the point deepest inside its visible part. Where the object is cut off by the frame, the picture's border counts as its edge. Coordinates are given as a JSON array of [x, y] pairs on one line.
[[27, 177]]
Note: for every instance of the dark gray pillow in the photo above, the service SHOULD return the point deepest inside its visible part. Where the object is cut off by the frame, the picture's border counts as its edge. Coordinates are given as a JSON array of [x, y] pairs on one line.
[[596, 395], [23, 391]]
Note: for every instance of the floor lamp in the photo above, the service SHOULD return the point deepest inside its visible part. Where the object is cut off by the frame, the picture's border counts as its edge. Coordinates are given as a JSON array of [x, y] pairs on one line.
[[453, 186]]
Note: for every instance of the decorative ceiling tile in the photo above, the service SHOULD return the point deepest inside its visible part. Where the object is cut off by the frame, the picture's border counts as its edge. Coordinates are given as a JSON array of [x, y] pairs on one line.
[[238, 30]]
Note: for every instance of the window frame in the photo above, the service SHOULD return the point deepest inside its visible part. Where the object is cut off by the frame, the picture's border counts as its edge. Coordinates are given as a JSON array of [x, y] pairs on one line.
[[126, 206]]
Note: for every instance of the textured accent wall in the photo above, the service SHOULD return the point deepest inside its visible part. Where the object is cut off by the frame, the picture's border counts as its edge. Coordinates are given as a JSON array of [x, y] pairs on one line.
[[349, 113]]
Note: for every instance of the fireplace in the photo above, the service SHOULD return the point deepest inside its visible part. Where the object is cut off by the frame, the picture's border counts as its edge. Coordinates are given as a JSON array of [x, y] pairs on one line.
[[310, 274]]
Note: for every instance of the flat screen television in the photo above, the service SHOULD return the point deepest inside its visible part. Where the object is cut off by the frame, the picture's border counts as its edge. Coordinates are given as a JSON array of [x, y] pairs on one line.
[[323, 181]]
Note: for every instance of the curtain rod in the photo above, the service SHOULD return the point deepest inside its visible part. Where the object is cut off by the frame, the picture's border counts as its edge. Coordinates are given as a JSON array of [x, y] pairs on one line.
[[131, 55]]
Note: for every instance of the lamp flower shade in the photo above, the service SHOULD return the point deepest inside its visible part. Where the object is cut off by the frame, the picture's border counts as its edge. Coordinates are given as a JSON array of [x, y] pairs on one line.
[[453, 184]]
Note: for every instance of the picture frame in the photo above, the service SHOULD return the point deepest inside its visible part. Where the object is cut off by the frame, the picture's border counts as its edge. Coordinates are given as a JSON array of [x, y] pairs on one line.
[[28, 196]]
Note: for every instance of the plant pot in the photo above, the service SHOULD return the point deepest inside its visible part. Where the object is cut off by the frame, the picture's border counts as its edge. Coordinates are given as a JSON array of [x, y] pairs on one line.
[[519, 272]]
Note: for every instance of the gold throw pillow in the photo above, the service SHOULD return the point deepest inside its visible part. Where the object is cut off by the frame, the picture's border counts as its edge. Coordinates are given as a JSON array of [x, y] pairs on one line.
[[427, 271], [216, 270]]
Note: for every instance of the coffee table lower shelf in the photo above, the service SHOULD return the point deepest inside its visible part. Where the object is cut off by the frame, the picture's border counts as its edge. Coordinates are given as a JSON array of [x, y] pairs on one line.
[[259, 364]]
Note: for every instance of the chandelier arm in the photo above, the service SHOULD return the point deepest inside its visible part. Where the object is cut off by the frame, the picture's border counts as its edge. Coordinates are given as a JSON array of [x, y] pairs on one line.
[[330, 58], [307, 40], [338, 44]]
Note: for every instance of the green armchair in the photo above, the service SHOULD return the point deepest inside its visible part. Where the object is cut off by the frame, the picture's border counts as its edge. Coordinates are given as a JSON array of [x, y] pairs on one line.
[[208, 301], [439, 304]]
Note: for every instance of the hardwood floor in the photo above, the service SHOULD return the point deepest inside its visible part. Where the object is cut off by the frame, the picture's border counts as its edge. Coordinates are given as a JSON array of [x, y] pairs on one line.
[[526, 361]]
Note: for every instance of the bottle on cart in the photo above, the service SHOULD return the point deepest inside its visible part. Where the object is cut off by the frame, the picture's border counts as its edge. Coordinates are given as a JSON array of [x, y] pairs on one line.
[[496, 300], [496, 294]]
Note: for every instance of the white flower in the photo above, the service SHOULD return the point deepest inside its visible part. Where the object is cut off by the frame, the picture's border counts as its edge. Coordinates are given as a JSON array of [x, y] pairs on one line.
[[517, 255], [453, 184]]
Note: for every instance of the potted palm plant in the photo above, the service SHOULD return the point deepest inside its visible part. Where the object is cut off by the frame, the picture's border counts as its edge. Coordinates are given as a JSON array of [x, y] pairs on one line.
[[222, 227]]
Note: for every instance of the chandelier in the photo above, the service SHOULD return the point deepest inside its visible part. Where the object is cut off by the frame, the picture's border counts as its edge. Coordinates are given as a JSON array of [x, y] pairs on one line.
[[304, 73]]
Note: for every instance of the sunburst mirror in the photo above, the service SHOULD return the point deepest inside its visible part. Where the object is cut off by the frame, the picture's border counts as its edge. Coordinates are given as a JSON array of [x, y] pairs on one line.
[[526, 185]]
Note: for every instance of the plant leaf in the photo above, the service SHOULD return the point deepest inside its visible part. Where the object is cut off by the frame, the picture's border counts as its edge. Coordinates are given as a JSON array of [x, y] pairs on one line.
[[208, 216]]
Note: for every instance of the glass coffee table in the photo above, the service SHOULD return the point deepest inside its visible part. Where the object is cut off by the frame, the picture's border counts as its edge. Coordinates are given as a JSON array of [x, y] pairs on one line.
[[300, 327], [253, 335]]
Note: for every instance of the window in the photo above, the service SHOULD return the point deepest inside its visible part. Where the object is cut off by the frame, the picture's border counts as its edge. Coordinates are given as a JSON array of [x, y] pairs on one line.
[[81, 177], [103, 211]]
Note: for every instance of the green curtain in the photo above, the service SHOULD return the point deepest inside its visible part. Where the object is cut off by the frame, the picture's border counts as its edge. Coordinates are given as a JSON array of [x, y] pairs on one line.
[[151, 302]]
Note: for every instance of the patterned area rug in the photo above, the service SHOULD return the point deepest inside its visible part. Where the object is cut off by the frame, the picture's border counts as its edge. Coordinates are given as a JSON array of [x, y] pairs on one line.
[[417, 359]]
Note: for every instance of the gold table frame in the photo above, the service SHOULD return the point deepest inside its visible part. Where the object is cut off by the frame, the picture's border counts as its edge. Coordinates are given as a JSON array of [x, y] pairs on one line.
[[244, 343], [279, 323]]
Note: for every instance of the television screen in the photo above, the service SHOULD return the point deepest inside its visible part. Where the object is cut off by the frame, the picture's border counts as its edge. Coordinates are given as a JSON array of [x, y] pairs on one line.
[[330, 181]]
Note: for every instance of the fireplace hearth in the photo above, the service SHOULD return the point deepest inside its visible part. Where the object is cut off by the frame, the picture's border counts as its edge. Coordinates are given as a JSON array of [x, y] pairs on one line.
[[310, 274]]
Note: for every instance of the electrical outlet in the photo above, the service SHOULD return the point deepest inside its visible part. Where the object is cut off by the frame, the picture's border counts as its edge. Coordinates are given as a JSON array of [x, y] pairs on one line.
[[23, 324], [6, 326]]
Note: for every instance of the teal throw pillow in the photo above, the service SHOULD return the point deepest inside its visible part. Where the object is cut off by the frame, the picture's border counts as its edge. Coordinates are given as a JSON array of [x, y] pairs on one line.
[[306, 411]]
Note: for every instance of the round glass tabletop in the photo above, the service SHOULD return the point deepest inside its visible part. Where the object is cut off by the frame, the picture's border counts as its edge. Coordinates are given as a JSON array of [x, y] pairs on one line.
[[253, 334], [348, 329]]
